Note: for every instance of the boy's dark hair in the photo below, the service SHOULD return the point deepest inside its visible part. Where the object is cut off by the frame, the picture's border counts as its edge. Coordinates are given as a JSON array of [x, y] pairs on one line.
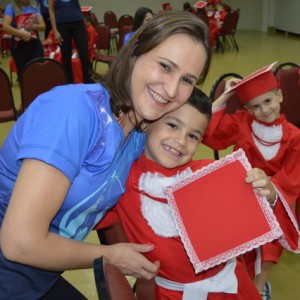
[[187, 6], [201, 102]]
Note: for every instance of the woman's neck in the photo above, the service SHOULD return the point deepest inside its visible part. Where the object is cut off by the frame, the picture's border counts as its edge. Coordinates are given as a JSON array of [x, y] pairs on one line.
[[127, 123]]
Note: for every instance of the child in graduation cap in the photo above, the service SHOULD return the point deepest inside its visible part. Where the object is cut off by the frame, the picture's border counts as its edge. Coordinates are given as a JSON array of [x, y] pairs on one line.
[[270, 142], [146, 217]]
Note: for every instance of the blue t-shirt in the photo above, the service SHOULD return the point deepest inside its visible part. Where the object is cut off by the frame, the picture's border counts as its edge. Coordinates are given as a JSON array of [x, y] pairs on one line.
[[127, 36], [73, 129], [67, 11], [9, 10]]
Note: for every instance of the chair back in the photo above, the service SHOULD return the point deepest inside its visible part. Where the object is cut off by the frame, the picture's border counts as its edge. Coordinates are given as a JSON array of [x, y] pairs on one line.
[[288, 76], [110, 19], [226, 35], [230, 22], [94, 19], [145, 289], [203, 16], [218, 88], [38, 76], [122, 32], [233, 103], [125, 20], [111, 283], [8, 111], [103, 41]]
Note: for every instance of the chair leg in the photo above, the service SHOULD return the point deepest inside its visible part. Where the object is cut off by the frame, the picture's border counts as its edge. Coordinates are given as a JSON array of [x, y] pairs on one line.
[[235, 43], [216, 154], [10, 75], [220, 45]]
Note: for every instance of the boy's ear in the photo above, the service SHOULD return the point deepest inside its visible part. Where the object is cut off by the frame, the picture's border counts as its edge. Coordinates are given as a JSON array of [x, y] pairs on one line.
[[279, 94]]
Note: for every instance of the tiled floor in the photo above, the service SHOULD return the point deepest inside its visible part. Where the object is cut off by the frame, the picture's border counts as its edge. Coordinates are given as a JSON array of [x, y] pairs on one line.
[[256, 50]]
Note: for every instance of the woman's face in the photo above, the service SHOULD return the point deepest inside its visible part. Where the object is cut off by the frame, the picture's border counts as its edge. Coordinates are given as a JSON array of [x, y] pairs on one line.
[[163, 79], [148, 17]]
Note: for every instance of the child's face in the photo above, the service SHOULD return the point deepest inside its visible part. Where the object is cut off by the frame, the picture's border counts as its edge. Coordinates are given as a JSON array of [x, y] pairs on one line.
[[173, 140], [266, 107]]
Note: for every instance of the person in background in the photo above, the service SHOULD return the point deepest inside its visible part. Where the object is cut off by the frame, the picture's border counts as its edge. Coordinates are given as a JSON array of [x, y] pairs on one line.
[[270, 142], [145, 215], [66, 160], [187, 7], [142, 16], [92, 35], [67, 23], [44, 7], [23, 20], [165, 6]]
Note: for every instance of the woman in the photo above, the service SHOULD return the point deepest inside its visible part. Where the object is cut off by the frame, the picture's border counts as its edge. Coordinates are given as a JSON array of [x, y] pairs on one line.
[[66, 160], [68, 25], [23, 21], [142, 15]]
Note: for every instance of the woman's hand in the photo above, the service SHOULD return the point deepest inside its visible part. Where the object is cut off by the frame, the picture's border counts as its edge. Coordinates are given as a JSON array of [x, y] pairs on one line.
[[58, 38], [25, 35], [262, 184], [129, 259]]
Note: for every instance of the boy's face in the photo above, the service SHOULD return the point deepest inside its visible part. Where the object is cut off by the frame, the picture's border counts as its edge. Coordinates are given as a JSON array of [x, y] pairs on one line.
[[266, 107], [173, 140]]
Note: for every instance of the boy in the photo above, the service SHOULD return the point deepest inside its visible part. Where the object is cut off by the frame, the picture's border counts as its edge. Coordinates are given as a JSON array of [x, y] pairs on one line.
[[270, 142], [146, 218]]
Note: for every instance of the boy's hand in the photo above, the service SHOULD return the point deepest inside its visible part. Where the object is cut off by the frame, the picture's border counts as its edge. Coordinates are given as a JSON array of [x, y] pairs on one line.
[[261, 183], [231, 82]]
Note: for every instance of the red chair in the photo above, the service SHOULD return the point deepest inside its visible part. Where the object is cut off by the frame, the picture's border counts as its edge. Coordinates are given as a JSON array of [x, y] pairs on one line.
[[125, 20], [110, 19], [226, 35], [122, 32], [111, 283], [94, 19], [12, 69], [5, 41], [103, 46], [47, 72], [8, 111], [144, 289], [288, 76]]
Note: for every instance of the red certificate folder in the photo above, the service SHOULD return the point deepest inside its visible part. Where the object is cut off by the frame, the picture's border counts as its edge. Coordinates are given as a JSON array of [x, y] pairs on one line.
[[24, 21], [218, 215]]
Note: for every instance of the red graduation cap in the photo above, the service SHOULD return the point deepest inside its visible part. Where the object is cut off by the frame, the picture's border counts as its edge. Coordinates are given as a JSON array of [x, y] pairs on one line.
[[200, 4], [218, 215], [86, 10], [255, 84]]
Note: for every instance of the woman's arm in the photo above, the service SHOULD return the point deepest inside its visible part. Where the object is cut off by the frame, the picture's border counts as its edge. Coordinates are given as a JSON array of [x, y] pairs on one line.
[[56, 33], [22, 34], [39, 25], [39, 192]]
